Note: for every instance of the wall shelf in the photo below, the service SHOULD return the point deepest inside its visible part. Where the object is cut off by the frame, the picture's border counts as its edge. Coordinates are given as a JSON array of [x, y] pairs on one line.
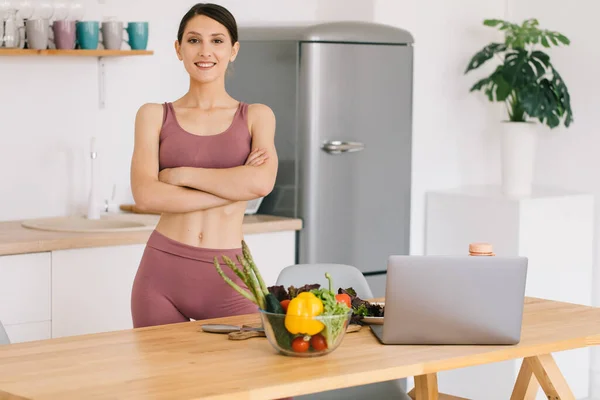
[[75, 52]]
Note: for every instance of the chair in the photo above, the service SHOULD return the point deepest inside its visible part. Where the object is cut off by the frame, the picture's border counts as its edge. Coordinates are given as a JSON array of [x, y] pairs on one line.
[[343, 276], [3, 335]]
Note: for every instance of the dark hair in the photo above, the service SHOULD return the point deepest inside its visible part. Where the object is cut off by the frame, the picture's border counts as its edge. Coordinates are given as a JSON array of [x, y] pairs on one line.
[[214, 11]]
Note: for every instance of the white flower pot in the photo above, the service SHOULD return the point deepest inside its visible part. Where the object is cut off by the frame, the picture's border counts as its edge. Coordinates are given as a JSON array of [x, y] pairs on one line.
[[518, 156]]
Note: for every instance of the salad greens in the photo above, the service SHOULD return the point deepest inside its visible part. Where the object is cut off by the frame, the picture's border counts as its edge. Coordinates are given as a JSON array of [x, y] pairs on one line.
[[360, 308], [333, 326]]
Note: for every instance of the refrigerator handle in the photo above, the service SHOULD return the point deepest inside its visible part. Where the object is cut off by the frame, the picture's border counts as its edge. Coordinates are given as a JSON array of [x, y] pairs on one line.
[[338, 147]]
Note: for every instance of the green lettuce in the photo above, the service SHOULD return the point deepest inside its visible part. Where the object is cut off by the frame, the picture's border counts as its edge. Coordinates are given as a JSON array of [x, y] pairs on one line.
[[333, 326]]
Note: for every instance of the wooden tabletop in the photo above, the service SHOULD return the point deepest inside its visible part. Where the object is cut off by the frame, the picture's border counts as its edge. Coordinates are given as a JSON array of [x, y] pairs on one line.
[[16, 239], [180, 361]]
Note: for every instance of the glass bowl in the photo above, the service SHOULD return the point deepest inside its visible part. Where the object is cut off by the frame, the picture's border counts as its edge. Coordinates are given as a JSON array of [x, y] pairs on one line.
[[305, 336]]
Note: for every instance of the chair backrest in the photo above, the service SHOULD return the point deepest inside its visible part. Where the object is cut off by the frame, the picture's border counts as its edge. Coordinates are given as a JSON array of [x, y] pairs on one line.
[[3, 335], [343, 276]]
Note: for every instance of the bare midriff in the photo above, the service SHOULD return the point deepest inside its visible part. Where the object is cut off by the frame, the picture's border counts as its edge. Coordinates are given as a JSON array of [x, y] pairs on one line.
[[215, 228]]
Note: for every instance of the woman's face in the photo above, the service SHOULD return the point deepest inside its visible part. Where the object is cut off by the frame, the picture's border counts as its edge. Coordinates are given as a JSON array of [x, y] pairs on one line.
[[206, 49]]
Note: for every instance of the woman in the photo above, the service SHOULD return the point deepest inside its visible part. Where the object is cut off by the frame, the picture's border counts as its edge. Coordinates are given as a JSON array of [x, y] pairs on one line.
[[197, 161]]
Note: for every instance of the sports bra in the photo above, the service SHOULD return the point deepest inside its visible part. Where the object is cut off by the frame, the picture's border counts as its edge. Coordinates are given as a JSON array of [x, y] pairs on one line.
[[180, 148]]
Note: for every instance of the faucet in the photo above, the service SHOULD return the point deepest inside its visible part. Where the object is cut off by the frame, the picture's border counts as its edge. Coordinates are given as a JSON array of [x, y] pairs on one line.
[[94, 207]]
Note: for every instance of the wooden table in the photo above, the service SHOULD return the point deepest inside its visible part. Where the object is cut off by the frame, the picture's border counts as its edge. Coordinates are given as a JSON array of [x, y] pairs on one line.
[[180, 362]]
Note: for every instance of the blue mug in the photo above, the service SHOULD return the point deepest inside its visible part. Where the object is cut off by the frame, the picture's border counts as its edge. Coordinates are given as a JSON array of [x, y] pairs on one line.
[[87, 33], [138, 35]]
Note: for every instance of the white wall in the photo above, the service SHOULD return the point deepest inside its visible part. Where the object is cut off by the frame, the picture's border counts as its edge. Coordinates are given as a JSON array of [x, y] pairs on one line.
[[568, 157], [456, 132], [454, 140]]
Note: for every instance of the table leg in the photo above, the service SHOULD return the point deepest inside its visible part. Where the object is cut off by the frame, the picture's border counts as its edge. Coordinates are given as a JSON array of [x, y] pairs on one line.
[[527, 385], [548, 376], [426, 388]]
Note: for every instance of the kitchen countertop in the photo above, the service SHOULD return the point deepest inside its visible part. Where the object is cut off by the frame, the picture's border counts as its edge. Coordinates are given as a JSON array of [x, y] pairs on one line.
[[16, 239]]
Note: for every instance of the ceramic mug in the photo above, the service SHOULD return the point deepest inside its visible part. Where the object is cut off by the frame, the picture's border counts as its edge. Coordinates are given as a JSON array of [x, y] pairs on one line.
[[138, 35], [38, 33], [88, 34], [64, 34], [112, 35]]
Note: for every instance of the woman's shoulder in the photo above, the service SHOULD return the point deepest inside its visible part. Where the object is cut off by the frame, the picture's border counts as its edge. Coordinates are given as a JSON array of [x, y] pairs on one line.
[[260, 118], [260, 112], [150, 110], [154, 113]]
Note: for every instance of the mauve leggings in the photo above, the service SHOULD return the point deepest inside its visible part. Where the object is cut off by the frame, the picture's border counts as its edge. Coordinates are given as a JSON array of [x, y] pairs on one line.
[[176, 282]]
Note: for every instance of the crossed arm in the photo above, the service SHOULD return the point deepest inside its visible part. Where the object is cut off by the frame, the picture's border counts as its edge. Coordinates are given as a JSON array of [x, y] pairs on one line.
[[179, 190], [246, 182]]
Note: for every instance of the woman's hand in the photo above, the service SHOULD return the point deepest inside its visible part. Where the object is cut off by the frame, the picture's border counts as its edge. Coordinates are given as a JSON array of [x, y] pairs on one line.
[[256, 157], [172, 176]]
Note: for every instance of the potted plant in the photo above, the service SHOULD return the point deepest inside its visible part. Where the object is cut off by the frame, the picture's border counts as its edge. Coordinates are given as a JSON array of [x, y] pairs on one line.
[[531, 88]]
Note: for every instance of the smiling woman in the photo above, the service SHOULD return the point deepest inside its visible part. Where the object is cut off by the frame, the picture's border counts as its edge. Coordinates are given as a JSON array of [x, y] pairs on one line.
[[207, 41], [197, 161]]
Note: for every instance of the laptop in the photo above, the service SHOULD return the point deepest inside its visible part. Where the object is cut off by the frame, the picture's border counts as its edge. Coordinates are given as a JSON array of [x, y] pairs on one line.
[[462, 300]]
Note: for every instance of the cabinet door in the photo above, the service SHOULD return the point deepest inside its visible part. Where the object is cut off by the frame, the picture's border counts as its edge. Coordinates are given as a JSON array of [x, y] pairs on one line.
[[29, 332], [272, 252], [91, 289], [24, 288]]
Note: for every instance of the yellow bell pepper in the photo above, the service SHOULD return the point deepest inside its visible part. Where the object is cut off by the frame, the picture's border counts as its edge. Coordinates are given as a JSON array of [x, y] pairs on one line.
[[300, 310]]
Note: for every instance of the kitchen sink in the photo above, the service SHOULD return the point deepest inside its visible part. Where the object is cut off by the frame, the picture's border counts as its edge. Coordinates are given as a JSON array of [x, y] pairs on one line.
[[107, 223]]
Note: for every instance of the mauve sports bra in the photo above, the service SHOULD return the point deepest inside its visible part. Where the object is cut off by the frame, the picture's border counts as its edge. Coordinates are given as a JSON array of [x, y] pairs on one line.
[[180, 148]]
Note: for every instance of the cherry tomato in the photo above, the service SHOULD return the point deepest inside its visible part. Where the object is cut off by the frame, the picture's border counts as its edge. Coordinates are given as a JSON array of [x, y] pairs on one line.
[[300, 344], [284, 304], [344, 298], [318, 342]]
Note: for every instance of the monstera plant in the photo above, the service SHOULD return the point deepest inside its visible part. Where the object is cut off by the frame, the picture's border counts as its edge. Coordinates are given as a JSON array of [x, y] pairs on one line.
[[527, 82]]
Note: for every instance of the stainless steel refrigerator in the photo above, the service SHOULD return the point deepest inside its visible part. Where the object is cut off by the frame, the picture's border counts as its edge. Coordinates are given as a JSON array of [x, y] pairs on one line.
[[342, 96]]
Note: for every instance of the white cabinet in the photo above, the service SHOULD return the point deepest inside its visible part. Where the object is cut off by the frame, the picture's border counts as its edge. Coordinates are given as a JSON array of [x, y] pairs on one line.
[[91, 289], [272, 252], [28, 332], [25, 296], [81, 291]]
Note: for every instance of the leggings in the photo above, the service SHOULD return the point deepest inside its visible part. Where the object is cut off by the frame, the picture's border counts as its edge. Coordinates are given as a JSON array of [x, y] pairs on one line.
[[175, 282]]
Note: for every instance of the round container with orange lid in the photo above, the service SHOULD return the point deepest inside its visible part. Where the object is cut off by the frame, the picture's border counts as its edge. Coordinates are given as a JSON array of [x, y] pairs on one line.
[[481, 249]]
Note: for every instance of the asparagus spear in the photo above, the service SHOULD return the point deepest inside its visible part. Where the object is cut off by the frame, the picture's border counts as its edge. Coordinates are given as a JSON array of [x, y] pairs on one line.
[[251, 282], [270, 301], [244, 265], [258, 293], [248, 256], [235, 269], [238, 289], [245, 275], [247, 269]]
